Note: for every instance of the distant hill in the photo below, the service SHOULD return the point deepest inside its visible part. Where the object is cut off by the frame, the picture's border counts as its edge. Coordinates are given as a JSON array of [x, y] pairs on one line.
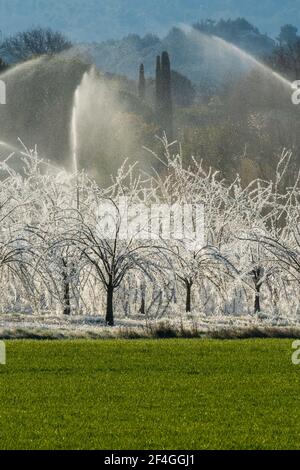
[[194, 52]]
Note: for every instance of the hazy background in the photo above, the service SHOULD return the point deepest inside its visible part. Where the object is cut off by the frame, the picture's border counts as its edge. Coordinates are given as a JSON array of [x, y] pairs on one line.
[[219, 102], [96, 20]]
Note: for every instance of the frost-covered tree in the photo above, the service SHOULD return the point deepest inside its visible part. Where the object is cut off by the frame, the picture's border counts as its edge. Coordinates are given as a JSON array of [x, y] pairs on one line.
[[16, 255], [195, 260], [68, 245], [103, 236]]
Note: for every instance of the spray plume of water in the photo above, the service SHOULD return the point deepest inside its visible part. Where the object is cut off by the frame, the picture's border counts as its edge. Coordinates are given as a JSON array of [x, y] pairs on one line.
[[256, 63], [221, 46], [21, 68], [103, 129], [74, 135], [6, 76], [74, 142], [10, 147]]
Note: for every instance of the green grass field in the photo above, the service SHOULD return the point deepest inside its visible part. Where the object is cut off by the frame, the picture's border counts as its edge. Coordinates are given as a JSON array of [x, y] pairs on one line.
[[168, 394]]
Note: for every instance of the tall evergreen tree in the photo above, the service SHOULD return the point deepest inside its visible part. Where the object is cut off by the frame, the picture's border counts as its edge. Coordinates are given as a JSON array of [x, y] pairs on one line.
[[166, 95], [164, 105], [158, 95], [142, 83]]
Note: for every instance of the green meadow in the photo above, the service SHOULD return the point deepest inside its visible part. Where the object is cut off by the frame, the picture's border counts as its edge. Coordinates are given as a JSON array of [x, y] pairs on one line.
[[150, 394]]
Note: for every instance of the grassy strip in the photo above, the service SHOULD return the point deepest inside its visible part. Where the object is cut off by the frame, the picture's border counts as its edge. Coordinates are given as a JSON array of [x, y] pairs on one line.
[[160, 330], [169, 394]]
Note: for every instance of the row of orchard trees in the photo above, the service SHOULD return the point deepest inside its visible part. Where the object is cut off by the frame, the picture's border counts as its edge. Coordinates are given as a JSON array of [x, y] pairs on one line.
[[55, 258]]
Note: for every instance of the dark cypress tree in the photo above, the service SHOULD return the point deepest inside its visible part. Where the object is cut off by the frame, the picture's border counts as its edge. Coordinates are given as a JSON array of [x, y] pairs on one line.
[[164, 106], [166, 86], [142, 83], [158, 95], [166, 73]]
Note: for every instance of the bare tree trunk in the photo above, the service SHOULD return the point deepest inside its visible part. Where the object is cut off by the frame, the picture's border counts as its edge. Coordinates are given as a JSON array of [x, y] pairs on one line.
[[67, 300], [110, 306], [257, 275], [143, 306], [188, 297], [257, 308], [143, 302]]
